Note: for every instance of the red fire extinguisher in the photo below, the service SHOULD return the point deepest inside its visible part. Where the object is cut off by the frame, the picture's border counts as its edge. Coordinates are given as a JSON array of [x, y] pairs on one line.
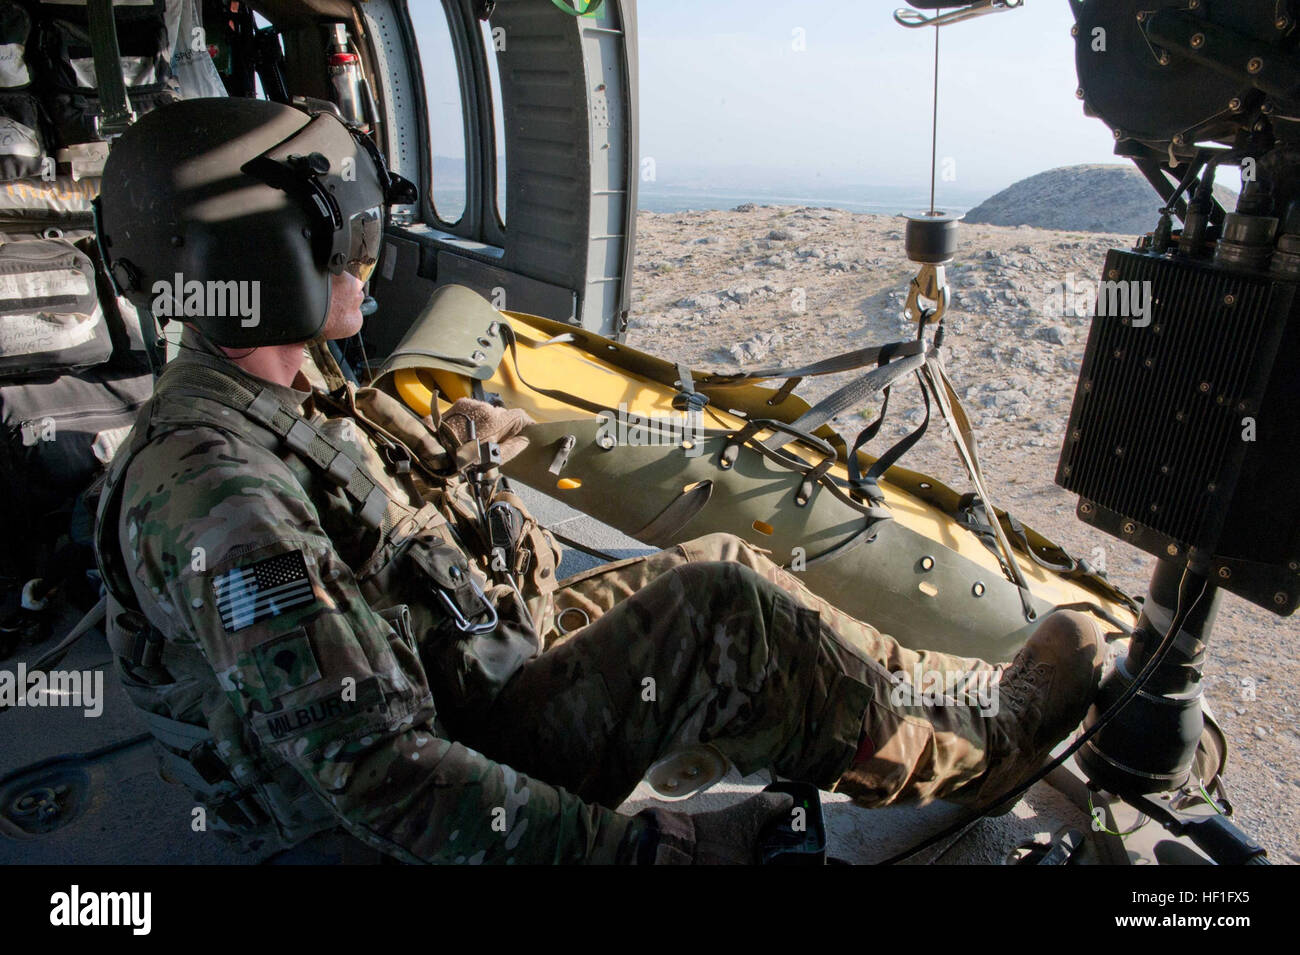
[[346, 79]]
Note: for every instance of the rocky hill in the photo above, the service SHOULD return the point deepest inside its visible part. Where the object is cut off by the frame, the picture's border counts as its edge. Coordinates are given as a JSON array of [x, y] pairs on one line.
[[1111, 198]]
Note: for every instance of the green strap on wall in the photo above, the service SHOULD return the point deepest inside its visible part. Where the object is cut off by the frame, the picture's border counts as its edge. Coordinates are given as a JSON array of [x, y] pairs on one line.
[[116, 114], [589, 7]]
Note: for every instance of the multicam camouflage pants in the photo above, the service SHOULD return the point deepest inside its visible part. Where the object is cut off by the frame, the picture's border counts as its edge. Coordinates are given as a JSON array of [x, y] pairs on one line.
[[711, 641]]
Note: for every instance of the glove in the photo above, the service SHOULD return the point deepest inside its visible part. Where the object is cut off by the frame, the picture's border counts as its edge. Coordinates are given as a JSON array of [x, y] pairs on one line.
[[502, 425], [722, 837]]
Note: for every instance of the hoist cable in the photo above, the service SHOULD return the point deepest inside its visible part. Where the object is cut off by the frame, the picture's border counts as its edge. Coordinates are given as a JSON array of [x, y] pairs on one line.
[[934, 122]]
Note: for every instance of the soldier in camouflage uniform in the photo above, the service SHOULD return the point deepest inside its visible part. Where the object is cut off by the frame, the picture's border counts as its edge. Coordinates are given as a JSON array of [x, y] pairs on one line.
[[358, 665]]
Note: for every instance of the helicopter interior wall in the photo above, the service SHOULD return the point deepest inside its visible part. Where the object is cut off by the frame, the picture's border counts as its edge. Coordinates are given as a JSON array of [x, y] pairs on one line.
[[285, 13], [413, 266], [567, 90], [568, 94]]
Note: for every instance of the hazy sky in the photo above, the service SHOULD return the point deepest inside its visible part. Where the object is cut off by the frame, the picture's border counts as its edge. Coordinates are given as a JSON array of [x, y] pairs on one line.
[[722, 83]]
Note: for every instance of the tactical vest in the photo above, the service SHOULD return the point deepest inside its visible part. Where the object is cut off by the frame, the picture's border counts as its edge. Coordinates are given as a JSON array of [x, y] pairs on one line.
[[426, 568]]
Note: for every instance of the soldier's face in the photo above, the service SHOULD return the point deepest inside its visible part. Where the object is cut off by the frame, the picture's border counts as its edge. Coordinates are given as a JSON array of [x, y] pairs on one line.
[[347, 292]]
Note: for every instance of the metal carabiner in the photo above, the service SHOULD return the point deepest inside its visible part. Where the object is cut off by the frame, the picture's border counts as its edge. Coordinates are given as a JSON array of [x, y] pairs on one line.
[[462, 622]]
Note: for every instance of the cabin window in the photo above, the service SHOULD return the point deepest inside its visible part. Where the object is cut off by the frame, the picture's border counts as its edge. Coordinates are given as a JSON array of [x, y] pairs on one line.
[[442, 90], [493, 49]]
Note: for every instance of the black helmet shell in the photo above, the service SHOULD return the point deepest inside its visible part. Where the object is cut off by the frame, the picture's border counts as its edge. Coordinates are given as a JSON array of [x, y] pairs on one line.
[[229, 214]]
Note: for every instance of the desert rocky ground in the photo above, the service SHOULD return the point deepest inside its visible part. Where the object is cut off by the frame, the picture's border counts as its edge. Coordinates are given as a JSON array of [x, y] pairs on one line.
[[722, 290]]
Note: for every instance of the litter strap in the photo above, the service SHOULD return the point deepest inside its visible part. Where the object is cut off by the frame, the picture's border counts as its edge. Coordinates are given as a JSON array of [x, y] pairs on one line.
[[963, 437], [508, 336], [904, 358], [683, 508], [771, 448], [848, 361], [869, 484], [813, 475]]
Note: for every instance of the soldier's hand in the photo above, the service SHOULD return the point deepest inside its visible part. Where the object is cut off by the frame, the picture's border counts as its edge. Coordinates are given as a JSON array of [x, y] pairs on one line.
[[502, 425], [722, 837]]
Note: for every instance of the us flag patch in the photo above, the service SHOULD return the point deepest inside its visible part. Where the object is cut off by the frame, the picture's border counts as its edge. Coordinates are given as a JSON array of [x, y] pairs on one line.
[[268, 588]]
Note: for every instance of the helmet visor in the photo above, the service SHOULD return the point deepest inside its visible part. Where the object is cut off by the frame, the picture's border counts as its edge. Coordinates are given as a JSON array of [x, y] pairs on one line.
[[366, 234]]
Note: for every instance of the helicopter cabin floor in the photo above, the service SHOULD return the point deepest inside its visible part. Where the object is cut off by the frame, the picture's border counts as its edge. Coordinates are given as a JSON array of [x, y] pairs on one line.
[[123, 812]]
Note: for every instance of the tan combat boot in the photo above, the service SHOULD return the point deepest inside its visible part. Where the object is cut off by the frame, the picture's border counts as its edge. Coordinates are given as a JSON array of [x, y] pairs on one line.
[[955, 752], [1045, 693]]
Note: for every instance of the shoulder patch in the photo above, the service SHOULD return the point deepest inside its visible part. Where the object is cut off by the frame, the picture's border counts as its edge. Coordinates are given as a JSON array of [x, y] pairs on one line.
[[287, 663], [262, 590]]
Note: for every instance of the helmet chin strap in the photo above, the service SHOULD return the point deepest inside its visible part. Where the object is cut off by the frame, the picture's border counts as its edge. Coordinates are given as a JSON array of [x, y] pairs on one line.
[[278, 367], [190, 328]]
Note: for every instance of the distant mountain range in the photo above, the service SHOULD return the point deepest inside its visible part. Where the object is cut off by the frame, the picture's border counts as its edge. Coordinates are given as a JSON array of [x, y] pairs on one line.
[[681, 186], [1103, 197]]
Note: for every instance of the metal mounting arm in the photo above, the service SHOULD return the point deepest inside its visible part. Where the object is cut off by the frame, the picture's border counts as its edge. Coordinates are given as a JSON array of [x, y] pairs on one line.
[[913, 19]]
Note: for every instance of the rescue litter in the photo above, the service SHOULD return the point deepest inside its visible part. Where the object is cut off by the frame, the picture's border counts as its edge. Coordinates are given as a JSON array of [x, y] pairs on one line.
[[628, 429]]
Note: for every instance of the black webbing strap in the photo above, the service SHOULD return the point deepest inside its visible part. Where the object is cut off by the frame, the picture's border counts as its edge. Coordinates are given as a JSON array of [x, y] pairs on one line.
[[508, 336], [745, 435], [813, 474], [966, 507], [116, 113], [679, 512], [1071, 567], [868, 434], [869, 483], [848, 361], [896, 360], [963, 436], [201, 377], [862, 535], [687, 398], [785, 390]]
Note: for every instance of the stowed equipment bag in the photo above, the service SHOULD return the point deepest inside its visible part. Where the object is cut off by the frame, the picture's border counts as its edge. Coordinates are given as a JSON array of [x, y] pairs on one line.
[[73, 372], [50, 316], [22, 141], [66, 63]]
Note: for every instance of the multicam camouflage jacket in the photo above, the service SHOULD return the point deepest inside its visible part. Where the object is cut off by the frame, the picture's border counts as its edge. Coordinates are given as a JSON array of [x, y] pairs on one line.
[[317, 649]]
